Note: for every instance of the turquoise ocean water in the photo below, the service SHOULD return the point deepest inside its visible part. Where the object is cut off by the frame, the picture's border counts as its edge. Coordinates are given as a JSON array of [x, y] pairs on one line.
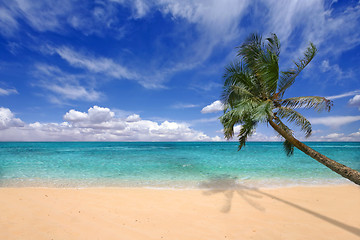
[[167, 164]]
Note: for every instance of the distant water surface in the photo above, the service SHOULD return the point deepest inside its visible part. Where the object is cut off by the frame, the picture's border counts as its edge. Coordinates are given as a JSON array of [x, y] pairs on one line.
[[167, 164]]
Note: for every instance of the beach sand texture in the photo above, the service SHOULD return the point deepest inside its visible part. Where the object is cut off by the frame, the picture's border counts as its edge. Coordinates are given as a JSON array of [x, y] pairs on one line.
[[326, 212]]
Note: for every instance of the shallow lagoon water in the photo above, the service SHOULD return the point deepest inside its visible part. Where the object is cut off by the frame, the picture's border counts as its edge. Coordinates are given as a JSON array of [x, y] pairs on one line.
[[167, 164]]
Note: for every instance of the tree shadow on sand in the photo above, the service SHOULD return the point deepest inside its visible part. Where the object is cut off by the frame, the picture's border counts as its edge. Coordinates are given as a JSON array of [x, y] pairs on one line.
[[229, 187]]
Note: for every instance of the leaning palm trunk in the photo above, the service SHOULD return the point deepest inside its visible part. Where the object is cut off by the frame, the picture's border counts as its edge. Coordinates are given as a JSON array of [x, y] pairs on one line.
[[339, 168]]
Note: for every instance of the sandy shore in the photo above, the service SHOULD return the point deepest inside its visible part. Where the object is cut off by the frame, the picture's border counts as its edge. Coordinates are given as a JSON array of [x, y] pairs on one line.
[[120, 213]]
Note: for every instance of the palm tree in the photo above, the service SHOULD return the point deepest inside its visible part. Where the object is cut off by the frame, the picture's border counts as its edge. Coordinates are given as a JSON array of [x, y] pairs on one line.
[[253, 93]]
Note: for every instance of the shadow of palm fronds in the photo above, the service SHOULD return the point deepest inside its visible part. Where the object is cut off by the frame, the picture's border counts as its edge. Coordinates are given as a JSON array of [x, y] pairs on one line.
[[229, 186]]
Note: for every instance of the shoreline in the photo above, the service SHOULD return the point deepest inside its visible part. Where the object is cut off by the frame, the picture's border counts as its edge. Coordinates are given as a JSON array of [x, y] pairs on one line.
[[221, 183], [301, 212]]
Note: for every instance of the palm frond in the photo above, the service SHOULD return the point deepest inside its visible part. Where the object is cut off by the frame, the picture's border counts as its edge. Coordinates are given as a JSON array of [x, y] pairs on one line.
[[273, 44], [262, 61], [228, 120], [262, 112], [267, 68], [288, 77], [234, 94], [237, 73], [245, 111], [288, 147], [250, 50], [293, 116], [246, 131], [319, 103], [237, 84], [283, 126]]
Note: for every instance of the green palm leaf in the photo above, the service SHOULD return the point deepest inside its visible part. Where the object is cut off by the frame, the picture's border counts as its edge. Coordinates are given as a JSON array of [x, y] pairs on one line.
[[250, 50], [319, 103], [262, 112], [246, 131], [288, 77], [289, 148], [295, 117], [267, 68], [273, 44], [228, 120]]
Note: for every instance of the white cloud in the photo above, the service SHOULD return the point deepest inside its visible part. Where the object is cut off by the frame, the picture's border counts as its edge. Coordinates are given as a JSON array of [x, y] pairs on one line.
[[93, 64], [355, 101], [347, 94], [334, 136], [59, 85], [183, 105], [213, 107], [75, 116], [217, 139], [334, 70], [141, 8], [97, 124], [335, 121], [205, 120], [6, 92], [356, 134], [213, 25], [44, 15], [8, 24], [7, 119], [260, 137], [339, 137], [133, 118], [299, 22], [94, 115], [109, 68]]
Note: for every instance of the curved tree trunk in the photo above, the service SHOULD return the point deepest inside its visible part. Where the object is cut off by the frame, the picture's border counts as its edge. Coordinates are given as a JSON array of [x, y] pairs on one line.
[[339, 168]]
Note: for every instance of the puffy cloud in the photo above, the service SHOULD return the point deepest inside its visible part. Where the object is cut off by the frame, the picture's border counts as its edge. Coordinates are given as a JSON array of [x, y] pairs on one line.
[[133, 118], [7, 119], [94, 115], [335, 121], [75, 116], [214, 107], [217, 139], [333, 136], [355, 101], [339, 137], [356, 134], [97, 124]]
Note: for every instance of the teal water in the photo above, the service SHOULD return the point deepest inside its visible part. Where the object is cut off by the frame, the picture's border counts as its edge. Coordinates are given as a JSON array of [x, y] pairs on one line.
[[167, 164]]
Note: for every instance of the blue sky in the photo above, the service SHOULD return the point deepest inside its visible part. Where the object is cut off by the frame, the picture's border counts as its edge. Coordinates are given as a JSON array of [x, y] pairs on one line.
[[152, 70]]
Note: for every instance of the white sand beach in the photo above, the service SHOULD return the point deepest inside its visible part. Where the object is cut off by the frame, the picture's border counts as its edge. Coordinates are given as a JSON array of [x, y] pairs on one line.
[[323, 212]]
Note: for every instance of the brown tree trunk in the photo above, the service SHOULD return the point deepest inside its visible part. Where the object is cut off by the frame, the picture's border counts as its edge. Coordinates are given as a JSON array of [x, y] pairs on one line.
[[339, 168]]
